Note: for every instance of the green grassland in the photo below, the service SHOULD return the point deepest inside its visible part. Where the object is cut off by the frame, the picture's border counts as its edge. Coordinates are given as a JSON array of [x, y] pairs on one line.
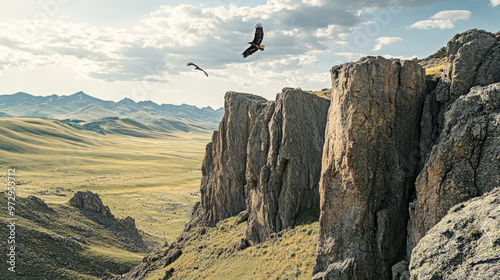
[[154, 178]]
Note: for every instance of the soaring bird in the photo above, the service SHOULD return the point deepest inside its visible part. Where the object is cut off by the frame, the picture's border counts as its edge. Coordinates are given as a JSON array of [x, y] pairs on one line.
[[196, 67], [255, 44]]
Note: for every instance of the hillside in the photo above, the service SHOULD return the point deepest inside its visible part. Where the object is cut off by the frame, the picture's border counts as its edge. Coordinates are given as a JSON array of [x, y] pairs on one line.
[[58, 241], [85, 107]]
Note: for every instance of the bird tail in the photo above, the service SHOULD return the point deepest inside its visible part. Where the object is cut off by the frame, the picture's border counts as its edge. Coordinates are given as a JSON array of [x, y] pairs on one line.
[[261, 47]]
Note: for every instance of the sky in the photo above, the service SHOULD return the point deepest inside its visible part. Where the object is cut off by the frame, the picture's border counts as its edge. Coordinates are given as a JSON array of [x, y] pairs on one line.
[[139, 49]]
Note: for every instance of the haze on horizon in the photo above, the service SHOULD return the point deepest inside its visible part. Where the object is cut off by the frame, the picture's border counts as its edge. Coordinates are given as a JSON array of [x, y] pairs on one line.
[[124, 48]]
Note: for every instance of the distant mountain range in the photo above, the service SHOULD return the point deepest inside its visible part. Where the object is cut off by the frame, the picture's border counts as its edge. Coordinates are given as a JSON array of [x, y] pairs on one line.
[[85, 107]]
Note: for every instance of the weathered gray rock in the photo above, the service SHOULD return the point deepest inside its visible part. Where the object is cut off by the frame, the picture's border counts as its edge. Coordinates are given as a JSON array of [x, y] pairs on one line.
[[400, 271], [224, 165], [128, 223], [464, 163], [284, 162], [369, 160], [90, 201], [473, 59], [465, 244]]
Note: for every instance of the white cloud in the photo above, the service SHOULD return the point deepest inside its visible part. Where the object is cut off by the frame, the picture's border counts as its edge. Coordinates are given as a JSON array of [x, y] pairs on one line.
[[352, 56], [443, 19], [161, 43], [495, 3], [430, 24], [385, 41], [453, 15]]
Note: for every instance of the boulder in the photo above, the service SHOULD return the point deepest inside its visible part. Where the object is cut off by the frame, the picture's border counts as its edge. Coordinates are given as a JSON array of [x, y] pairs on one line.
[[368, 165], [465, 244], [90, 201], [128, 223]]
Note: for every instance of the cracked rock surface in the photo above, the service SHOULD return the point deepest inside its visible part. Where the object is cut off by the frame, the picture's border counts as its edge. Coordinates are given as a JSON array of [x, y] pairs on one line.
[[464, 245]]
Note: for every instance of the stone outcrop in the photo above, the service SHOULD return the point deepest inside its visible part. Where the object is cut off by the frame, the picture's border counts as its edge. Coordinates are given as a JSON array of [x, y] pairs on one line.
[[224, 166], [128, 223], [38, 200], [284, 162], [368, 165], [90, 201], [464, 163], [473, 59], [465, 244]]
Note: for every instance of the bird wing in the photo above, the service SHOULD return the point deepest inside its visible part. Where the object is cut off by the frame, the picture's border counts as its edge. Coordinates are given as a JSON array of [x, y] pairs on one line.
[[204, 72], [249, 51], [192, 64], [259, 34]]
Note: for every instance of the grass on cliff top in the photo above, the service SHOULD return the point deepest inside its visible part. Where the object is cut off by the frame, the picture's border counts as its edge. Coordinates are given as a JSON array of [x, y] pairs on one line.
[[152, 179], [213, 256], [325, 93], [434, 72]]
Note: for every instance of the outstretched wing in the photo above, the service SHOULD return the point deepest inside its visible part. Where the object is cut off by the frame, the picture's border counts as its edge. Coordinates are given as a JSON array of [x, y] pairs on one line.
[[192, 64], [259, 34], [204, 72], [249, 51]]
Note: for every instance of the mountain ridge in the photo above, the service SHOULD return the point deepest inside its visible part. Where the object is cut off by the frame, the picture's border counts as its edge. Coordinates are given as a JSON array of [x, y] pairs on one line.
[[80, 105]]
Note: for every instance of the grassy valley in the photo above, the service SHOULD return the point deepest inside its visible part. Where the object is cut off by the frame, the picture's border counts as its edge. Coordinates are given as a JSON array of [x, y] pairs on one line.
[[138, 171]]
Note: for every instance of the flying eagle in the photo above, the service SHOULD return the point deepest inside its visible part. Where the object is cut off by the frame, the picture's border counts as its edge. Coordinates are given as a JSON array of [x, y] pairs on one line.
[[196, 67], [255, 44]]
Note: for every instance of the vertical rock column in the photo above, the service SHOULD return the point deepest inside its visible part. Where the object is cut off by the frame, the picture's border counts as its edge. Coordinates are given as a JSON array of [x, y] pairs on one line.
[[284, 162], [224, 165], [368, 166]]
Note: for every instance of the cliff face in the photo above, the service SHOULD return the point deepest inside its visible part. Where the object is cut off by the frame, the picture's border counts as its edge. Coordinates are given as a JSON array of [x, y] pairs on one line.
[[283, 167], [368, 165], [473, 59], [464, 163], [224, 166], [253, 160], [459, 134]]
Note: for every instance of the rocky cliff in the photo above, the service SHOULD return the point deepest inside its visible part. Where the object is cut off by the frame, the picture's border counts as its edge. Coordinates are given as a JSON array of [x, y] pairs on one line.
[[459, 134], [472, 59], [368, 167], [384, 160], [224, 166], [283, 165], [464, 163], [253, 160]]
